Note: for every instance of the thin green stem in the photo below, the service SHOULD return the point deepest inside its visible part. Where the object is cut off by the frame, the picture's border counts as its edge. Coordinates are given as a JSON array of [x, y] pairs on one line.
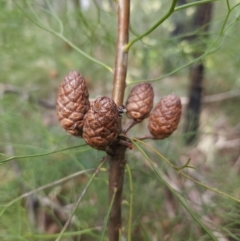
[[188, 5], [130, 203], [210, 188], [216, 44], [179, 198], [52, 184], [82, 52], [171, 10], [108, 214], [55, 16], [226, 19], [78, 201], [136, 215], [65, 235], [87, 148], [210, 50], [177, 69], [61, 36], [27, 16], [184, 174], [228, 5], [224, 23], [12, 237], [161, 156]]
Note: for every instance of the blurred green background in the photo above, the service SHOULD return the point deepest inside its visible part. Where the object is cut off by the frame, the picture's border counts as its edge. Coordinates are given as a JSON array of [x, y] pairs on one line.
[[33, 62]]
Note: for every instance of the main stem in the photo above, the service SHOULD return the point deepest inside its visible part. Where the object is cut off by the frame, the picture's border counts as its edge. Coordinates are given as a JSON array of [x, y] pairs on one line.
[[121, 59], [117, 159]]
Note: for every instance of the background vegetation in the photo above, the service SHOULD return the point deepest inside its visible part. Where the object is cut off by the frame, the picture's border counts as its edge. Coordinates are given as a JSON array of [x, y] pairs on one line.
[[33, 63]]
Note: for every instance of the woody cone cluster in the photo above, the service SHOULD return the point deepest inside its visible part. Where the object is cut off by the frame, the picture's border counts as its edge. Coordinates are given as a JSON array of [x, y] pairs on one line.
[[99, 123], [163, 120]]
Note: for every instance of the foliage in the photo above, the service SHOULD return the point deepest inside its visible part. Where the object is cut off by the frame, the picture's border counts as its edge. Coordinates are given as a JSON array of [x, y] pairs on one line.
[[36, 152]]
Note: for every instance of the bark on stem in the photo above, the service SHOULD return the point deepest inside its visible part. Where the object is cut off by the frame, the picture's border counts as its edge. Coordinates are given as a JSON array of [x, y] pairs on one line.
[[116, 177], [117, 158], [121, 59]]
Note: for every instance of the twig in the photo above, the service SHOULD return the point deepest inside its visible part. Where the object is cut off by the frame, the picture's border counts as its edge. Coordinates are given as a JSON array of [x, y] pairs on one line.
[[65, 212], [129, 125], [171, 10], [117, 160], [148, 136], [52, 184], [121, 59], [9, 150], [79, 200], [10, 89], [38, 22], [224, 144], [216, 97], [116, 177], [194, 4], [221, 96]]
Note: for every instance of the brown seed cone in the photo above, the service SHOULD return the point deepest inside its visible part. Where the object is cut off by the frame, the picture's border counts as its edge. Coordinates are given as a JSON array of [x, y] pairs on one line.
[[102, 123], [165, 117], [72, 103], [140, 102]]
